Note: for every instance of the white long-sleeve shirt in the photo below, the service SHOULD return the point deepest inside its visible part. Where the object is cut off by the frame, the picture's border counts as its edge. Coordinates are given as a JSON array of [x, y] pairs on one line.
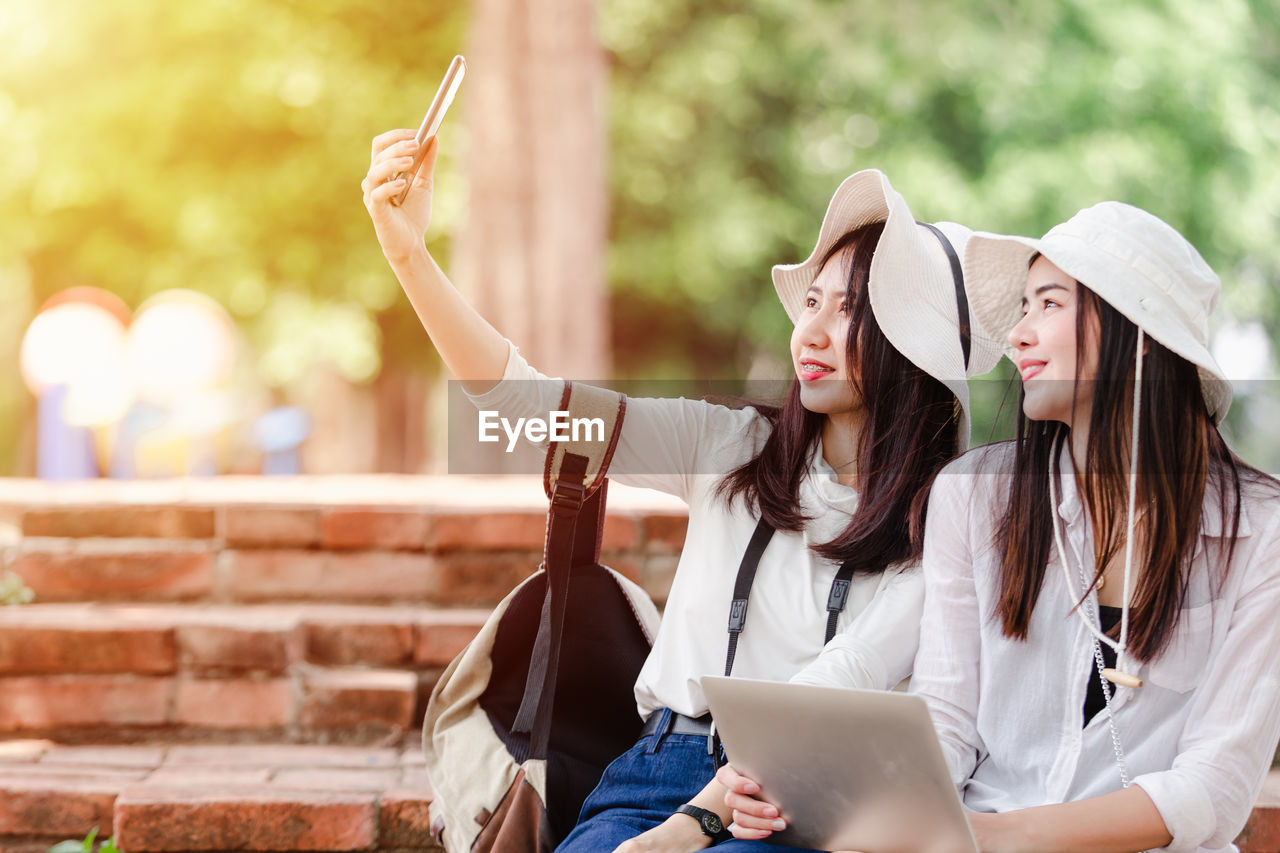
[[1198, 737], [685, 447]]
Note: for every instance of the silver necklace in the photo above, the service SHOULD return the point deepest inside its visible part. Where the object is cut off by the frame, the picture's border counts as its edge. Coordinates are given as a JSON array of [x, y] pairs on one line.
[[1089, 615]]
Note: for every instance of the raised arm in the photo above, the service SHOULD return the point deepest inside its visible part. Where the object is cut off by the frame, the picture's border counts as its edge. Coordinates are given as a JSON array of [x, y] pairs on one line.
[[665, 443], [471, 348]]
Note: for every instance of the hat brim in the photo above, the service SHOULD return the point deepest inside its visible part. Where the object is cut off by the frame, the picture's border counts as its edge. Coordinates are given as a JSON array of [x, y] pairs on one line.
[[995, 268]]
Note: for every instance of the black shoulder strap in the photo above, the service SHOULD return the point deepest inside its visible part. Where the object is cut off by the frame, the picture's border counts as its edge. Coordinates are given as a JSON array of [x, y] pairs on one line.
[[838, 597], [742, 588]]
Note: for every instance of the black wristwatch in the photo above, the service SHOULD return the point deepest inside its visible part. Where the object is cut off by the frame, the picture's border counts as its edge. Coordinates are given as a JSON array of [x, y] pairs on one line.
[[712, 826]]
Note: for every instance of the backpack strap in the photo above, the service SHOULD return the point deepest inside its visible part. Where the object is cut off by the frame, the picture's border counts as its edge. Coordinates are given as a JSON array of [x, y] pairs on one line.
[[586, 405], [575, 481]]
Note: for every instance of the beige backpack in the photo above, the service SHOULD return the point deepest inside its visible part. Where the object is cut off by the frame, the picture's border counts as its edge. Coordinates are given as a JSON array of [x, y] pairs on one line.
[[522, 724]]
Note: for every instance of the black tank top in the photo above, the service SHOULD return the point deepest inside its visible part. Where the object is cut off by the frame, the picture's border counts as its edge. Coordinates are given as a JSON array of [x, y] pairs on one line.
[[1094, 701]]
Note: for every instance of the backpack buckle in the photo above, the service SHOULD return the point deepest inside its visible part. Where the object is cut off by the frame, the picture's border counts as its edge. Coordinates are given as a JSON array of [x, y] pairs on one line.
[[567, 497]]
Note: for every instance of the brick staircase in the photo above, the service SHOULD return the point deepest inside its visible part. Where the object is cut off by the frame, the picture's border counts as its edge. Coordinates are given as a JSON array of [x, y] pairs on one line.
[[243, 664]]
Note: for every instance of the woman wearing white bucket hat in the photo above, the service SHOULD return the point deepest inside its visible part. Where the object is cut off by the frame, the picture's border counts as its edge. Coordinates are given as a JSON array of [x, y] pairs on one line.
[[832, 480], [1100, 644]]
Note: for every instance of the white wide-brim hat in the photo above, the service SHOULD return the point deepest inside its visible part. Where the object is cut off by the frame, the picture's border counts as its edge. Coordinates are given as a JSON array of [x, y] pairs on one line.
[[916, 293], [1134, 261]]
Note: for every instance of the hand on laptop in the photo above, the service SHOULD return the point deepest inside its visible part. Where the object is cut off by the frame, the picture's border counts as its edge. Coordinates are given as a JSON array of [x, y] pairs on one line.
[[753, 818]]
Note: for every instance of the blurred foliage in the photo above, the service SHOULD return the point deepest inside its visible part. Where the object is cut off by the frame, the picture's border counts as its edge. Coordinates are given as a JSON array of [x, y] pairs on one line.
[[88, 845], [734, 120], [219, 144]]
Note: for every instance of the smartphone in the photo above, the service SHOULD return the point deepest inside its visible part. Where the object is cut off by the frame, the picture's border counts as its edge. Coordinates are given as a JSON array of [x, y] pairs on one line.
[[431, 122]]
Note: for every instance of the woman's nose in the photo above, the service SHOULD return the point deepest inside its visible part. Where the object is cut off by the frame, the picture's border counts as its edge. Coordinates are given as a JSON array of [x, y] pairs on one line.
[[1023, 333], [813, 330]]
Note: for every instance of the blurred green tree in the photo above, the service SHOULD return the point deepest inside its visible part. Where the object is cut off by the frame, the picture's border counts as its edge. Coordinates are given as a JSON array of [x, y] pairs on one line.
[[733, 121]]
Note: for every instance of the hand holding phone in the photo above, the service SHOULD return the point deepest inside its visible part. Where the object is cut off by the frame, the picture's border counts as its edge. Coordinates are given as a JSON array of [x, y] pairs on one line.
[[431, 122]]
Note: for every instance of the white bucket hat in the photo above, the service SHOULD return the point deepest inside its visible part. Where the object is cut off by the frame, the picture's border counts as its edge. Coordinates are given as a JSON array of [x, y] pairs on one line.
[[916, 287], [1134, 261]]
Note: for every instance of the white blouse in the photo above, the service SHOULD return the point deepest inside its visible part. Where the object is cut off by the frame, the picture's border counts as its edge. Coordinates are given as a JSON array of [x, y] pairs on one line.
[[685, 447], [1198, 737]]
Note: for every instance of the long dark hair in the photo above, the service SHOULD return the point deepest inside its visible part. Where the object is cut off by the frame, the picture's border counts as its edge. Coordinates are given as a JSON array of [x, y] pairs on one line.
[[1182, 456], [909, 432]]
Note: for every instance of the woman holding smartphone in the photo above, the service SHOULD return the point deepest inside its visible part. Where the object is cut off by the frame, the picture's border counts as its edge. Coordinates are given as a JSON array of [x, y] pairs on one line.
[[1100, 650], [833, 479]]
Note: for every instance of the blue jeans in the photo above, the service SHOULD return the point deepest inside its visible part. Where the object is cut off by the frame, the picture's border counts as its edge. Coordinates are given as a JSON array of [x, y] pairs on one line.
[[642, 788]]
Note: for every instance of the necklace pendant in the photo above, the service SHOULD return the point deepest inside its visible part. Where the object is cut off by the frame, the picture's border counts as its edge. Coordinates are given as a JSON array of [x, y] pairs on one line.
[[1121, 679]]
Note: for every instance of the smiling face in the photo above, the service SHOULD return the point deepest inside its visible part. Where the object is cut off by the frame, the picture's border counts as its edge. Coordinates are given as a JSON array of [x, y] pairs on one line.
[[819, 343], [1046, 341]]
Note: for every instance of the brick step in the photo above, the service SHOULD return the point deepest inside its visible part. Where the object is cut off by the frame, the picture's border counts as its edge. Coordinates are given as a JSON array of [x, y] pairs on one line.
[[208, 798], [303, 672], [444, 541], [144, 570], [135, 570], [270, 797]]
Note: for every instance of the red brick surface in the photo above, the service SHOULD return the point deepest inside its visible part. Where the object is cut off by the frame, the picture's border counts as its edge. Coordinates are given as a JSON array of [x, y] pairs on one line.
[[234, 610], [488, 531], [336, 778], [243, 818], [135, 757], [234, 703], [664, 532], [404, 819], [208, 777], [281, 755], [272, 575], [34, 702], [631, 568], [36, 806], [236, 646], [622, 532], [360, 576], [442, 636], [94, 574], [338, 699], [262, 798], [370, 528], [27, 648], [214, 797], [270, 527], [149, 522], [338, 642], [473, 579]]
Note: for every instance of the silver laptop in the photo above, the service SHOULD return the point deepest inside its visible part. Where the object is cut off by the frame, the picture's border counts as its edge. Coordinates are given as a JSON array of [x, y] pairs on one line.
[[850, 769]]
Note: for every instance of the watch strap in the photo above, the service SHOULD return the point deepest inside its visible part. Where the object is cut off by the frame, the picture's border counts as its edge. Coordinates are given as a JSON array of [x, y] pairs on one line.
[[708, 821]]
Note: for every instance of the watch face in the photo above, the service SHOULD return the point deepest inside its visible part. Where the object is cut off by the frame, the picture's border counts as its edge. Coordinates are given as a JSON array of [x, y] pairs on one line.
[[712, 823]]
